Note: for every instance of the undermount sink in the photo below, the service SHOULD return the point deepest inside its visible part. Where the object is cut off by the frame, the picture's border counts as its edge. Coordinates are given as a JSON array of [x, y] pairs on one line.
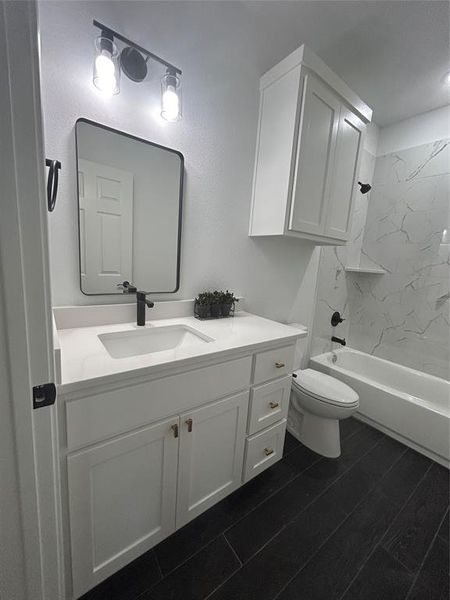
[[121, 344]]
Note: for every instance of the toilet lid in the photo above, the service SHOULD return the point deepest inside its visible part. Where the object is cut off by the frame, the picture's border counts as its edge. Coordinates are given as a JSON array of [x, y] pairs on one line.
[[325, 388]]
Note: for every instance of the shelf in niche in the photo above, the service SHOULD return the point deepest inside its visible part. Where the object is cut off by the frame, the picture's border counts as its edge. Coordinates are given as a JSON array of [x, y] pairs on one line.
[[366, 270]]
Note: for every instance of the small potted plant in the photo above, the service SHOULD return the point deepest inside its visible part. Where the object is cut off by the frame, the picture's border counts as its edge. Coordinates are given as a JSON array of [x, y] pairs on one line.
[[216, 304], [228, 301], [202, 304]]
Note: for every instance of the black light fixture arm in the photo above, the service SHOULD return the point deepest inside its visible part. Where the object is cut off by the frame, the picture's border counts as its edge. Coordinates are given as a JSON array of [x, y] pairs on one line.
[[108, 32]]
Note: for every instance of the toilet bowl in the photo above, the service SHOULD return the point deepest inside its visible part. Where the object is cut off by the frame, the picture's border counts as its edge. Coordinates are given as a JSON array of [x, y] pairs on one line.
[[322, 402]]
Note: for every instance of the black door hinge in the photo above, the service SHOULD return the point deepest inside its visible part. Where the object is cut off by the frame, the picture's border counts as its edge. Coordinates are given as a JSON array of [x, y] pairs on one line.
[[44, 395]]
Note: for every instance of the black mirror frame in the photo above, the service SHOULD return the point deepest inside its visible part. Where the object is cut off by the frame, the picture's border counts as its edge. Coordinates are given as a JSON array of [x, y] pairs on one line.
[[180, 210]]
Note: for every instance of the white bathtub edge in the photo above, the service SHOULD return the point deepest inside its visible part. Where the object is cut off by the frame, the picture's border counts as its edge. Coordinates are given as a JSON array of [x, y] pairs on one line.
[[404, 440]]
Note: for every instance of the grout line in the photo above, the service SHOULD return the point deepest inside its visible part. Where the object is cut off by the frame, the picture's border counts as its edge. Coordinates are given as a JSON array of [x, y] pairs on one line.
[[402, 507], [379, 544], [262, 502], [301, 473], [277, 595], [349, 515], [444, 537], [234, 551], [159, 565], [436, 535], [313, 500], [230, 575]]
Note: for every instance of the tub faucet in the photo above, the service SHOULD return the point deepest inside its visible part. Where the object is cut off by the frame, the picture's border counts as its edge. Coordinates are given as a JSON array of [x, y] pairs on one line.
[[339, 340], [141, 303]]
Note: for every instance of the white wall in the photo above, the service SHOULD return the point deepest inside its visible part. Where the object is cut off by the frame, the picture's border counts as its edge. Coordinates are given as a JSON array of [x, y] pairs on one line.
[[421, 129], [217, 137]]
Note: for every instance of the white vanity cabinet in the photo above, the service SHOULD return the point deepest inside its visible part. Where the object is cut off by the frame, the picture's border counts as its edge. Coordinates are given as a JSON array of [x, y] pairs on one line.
[[211, 453], [122, 498], [142, 459], [310, 136]]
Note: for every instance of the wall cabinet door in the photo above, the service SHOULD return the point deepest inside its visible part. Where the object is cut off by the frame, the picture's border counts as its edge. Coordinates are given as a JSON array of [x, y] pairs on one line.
[[345, 173], [211, 455], [314, 160], [121, 500]]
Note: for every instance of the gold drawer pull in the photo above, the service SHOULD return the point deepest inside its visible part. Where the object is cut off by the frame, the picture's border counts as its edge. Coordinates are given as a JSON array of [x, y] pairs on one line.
[[279, 365], [268, 451], [174, 428], [274, 404], [189, 424]]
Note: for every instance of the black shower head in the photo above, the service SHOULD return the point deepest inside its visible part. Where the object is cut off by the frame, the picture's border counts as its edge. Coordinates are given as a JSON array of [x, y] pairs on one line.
[[365, 187]]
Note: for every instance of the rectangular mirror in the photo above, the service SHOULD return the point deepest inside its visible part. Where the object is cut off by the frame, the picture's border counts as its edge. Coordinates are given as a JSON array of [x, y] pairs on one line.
[[129, 209]]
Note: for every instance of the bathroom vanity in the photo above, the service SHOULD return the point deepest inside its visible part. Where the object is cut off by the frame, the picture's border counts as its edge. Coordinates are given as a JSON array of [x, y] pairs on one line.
[[158, 423]]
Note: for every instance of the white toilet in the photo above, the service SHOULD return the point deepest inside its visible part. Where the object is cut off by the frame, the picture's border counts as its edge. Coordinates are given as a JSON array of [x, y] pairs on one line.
[[321, 402]]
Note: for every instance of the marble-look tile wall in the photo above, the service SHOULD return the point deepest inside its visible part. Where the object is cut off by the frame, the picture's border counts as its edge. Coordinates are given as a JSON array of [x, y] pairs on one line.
[[402, 315], [333, 281]]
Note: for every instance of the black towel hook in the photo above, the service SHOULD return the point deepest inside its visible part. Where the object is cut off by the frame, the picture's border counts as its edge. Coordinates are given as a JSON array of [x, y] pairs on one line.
[[52, 182]]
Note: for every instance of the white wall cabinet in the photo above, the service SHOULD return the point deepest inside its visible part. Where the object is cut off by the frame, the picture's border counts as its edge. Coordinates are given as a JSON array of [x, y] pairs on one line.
[[310, 134]]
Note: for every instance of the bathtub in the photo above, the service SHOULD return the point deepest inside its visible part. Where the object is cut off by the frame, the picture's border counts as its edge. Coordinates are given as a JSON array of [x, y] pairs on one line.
[[408, 405]]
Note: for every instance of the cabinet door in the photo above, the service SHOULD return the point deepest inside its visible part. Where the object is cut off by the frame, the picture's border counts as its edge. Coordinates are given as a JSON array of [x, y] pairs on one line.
[[314, 161], [211, 455], [345, 173], [274, 147], [121, 501]]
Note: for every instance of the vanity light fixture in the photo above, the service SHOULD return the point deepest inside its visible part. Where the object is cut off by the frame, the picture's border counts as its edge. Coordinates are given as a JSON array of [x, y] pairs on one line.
[[132, 60]]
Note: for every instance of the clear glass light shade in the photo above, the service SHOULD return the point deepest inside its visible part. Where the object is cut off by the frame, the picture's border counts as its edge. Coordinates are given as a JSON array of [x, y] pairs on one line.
[[106, 66], [171, 97]]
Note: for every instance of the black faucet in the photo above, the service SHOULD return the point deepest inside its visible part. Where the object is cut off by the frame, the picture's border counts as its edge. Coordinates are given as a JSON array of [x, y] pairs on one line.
[[141, 303], [141, 300], [127, 287], [339, 340]]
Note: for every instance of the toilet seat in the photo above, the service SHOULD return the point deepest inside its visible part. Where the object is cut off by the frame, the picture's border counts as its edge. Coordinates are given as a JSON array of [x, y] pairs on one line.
[[325, 388]]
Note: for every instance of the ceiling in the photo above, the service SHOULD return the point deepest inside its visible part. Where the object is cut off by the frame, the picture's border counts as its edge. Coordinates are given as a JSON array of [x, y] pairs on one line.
[[394, 54]]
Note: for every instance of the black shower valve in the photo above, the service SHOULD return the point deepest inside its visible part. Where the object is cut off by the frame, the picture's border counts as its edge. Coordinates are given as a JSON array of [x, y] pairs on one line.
[[336, 319]]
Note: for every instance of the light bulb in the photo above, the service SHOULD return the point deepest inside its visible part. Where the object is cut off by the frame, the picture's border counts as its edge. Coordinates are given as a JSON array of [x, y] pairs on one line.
[[170, 97], [170, 105], [106, 70], [104, 65]]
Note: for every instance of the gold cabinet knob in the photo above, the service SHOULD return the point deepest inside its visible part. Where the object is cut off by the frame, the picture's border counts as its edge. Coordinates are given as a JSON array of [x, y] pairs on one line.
[[189, 423], [274, 404], [174, 428], [279, 365], [268, 451]]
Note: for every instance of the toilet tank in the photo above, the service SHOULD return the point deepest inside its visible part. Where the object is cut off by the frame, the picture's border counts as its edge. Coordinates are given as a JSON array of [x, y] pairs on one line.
[[301, 349]]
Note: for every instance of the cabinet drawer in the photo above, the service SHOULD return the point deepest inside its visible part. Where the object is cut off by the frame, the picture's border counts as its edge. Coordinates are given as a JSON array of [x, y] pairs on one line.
[[263, 450], [269, 403], [273, 363]]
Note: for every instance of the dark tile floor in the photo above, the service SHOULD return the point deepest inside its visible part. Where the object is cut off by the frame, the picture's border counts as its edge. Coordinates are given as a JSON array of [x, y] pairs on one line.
[[371, 525]]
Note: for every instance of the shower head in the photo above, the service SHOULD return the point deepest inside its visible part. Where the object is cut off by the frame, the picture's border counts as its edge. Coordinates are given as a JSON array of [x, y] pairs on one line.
[[365, 187]]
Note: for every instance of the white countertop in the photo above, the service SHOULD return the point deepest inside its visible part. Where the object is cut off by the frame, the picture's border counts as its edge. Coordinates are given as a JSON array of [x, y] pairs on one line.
[[85, 360]]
